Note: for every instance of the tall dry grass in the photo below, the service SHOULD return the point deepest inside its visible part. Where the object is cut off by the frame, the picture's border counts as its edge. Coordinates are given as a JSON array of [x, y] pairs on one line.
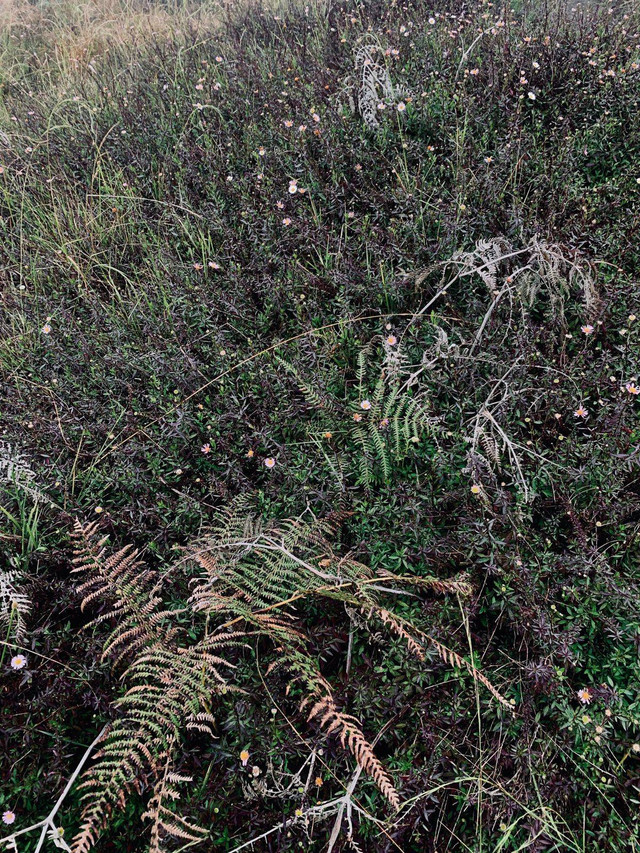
[[70, 33]]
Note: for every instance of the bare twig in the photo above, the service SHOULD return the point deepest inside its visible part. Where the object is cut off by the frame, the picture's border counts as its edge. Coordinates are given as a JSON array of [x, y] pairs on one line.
[[47, 823]]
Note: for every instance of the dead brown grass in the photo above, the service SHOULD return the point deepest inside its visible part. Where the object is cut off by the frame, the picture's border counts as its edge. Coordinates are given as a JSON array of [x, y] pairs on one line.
[[71, 32]]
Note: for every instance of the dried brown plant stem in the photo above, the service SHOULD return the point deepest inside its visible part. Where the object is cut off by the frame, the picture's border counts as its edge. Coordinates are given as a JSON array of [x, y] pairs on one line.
[[47, 823]]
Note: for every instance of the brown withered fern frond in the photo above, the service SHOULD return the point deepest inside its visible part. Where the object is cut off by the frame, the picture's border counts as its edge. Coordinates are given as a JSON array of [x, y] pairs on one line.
[[165, 822], [394, 624], [128, 584], [459, 584], [350, 734], [256, 570], [170, 683], [254, 573], [317, 690], [454, 659], [412, 635]]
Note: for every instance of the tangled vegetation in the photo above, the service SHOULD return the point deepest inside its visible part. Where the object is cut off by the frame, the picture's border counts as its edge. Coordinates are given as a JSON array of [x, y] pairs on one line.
[[319, 450]]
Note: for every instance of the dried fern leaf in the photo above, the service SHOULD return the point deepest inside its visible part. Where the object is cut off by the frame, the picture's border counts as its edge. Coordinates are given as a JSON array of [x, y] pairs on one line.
[[15, 605]]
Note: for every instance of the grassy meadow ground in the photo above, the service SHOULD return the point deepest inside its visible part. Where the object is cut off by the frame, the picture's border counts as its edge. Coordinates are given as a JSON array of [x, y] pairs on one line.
[[329, 309]]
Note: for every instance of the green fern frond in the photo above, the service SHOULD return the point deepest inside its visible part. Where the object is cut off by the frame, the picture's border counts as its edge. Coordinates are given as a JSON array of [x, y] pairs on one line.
[[313, 397], [363, 363]]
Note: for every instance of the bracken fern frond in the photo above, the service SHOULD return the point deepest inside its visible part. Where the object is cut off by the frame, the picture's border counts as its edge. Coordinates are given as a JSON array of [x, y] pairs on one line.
[[15, 605], [169, 684]]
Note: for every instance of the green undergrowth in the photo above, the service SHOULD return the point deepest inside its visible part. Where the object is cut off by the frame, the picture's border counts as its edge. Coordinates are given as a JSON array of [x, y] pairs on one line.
[[224, 276]]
